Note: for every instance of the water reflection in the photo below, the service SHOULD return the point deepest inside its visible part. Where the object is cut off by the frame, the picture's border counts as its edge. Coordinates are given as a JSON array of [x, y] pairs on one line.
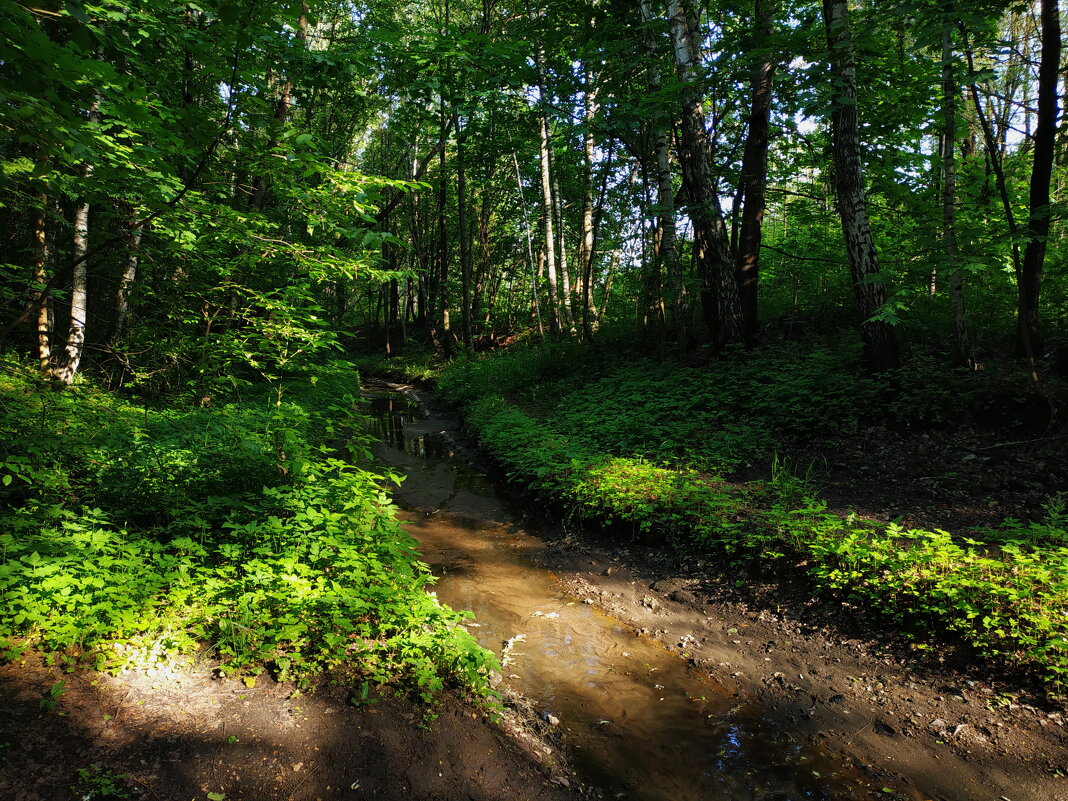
[[640, 722]]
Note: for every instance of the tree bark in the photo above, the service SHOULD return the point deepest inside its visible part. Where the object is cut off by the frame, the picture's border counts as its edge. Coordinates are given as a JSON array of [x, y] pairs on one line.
[[126, 280], [535, 308], [665, 192], [586, 243], [547, 205], [880, 340], [40, 280], [464, 239], [755, 175], [69, 362], [962, 348], [711, 238], [1041, 172], [568, 319]]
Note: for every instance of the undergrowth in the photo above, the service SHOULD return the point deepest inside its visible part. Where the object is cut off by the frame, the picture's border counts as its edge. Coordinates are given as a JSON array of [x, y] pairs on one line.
[[652, 446], [132, 534]]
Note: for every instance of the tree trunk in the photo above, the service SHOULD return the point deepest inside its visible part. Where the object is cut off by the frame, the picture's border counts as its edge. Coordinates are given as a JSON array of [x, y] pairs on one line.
[[962, 349], [465, 245], [880, 341], [711, 239], [665, 192], [1041, 171], [568, 320], [40, 281], [547, 207], [129, 275], [586, 243], [79, 296], [535, 308], [755, 175]]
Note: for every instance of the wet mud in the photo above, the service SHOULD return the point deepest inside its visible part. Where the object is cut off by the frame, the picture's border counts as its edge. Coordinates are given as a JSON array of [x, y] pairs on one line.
[[637, 720]]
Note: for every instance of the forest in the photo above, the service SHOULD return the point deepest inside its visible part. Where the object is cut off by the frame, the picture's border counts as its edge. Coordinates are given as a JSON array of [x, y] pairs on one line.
[[761, 303]]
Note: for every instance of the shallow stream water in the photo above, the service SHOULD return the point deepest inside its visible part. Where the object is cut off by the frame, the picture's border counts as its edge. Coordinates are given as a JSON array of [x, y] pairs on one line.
[[637, 720]]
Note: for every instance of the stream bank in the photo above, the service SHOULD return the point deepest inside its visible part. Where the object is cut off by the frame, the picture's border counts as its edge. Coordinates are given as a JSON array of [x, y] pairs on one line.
[[911, 731]]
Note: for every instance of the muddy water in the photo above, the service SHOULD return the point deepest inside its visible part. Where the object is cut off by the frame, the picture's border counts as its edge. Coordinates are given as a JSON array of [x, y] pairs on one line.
[[637, 721]]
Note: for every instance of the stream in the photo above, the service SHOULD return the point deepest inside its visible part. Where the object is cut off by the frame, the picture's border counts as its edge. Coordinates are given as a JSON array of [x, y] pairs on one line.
[[636, 719]]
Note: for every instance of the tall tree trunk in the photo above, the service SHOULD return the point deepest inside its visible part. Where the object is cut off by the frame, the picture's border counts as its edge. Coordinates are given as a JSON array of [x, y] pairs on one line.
[[962, 348], [586, 243], [1041, 171], [126, 280], [281, 110], [443, 340], [568, 320], [665, 191], [606, 290], [464, 239], [547, 204], [880, 341], [535, 307], [755, 174], [79, 297], [40, 281], [711, 239]]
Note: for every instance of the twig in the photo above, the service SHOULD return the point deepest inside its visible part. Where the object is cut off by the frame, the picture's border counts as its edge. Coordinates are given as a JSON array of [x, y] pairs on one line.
[[150, 790], [1020, 442]]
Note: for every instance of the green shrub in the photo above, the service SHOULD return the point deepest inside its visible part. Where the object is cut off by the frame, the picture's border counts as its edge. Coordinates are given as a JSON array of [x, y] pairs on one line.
[[132, 534]]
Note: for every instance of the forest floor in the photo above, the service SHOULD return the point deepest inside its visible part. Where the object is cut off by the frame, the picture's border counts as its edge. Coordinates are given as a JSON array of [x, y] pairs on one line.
[[930, 721], [179, 733], [926, 716]]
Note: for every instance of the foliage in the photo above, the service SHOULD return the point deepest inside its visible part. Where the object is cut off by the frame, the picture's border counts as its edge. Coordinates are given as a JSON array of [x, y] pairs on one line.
[[133, 534], [1005, 594]]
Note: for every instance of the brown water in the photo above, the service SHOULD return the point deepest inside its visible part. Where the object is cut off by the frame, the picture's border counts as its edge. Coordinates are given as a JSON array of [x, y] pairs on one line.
[[638, 720]]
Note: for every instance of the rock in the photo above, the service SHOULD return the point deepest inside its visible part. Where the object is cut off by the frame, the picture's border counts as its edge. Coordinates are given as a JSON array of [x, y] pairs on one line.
[[551, 719], [837, 698], [650, 603]]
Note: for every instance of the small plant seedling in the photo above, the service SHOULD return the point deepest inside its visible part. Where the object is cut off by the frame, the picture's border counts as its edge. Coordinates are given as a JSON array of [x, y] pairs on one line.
[[51, 698], [97, 783]]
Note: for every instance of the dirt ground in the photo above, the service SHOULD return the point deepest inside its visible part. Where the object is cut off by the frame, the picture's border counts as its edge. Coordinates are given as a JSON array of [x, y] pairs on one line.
[[180, 734], [930, 720], [924, 715], [948, 733]]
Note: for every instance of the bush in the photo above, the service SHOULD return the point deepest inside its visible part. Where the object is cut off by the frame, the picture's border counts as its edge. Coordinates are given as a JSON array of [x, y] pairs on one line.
[[132, 534]]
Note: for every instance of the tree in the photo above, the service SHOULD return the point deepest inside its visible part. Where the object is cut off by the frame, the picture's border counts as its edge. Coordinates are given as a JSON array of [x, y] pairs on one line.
[[880, 341]]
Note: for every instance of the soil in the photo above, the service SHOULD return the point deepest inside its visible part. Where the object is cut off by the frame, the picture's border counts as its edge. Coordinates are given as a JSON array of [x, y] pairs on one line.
[[953, 479], [178, 732], [927, 716], [931, 721]]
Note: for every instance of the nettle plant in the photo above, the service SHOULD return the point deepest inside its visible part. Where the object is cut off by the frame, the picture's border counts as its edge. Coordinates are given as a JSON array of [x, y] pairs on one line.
[[231, 532]]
